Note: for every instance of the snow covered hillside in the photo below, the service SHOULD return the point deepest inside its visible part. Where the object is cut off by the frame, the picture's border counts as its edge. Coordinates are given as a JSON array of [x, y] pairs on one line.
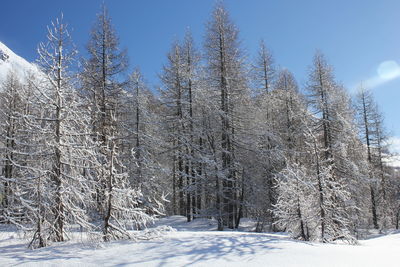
[[198, 244], [394, 161], [11, 61]]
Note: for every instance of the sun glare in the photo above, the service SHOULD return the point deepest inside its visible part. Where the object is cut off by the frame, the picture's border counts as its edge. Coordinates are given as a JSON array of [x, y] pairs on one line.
[[388, 70]]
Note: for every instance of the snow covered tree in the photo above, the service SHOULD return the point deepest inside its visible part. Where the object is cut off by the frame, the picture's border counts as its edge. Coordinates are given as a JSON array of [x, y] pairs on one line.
[[292, 207], [227, 77], [365, 109], [264, 70], [11, 108], [290, 120], [335, 171], [64, 149], [191, 60], [371, 132], [395, 196], [142, 143], [118, 201], [263, 76], [181, 85], [175, 123]]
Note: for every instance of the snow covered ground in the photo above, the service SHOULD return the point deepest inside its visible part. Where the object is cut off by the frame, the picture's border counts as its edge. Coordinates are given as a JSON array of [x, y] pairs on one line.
[[198, 244]]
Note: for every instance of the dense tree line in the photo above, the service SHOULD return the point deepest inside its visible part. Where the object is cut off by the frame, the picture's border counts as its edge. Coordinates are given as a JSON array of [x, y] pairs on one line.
[[222, 138]]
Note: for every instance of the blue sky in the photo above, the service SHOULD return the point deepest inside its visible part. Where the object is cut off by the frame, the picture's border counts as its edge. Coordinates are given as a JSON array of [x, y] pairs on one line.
[[356, 36]]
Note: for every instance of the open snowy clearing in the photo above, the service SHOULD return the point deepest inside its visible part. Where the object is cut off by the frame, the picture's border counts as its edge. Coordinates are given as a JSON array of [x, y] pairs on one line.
[[198, 244]]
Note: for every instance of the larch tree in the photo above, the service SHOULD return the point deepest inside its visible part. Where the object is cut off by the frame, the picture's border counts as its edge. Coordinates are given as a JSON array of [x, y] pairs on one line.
[[333, 120], [175, 123], [372, 134], [11, 110], [291, 121], [118, 202], [227, 77], [264, 70], [61, 126], [264, 73], [181, 85], [365, 107], [143, 141]]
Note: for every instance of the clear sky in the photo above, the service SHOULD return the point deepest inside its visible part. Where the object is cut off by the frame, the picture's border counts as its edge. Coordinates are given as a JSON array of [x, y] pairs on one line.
[[360, 38]]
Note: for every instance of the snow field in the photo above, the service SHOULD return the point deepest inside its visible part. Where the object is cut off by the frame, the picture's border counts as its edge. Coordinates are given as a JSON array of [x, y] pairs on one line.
[[198, 244]]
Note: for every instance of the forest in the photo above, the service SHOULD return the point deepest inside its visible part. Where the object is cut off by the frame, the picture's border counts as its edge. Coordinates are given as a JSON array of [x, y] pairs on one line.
[[86, 145]]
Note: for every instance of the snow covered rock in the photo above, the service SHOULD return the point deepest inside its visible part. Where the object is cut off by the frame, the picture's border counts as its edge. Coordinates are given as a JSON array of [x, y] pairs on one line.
[[3, 56]]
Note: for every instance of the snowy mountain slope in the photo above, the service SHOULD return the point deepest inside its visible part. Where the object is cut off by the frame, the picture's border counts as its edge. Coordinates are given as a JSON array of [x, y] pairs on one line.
[[11, 61], [394, 161], [199, 244]]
